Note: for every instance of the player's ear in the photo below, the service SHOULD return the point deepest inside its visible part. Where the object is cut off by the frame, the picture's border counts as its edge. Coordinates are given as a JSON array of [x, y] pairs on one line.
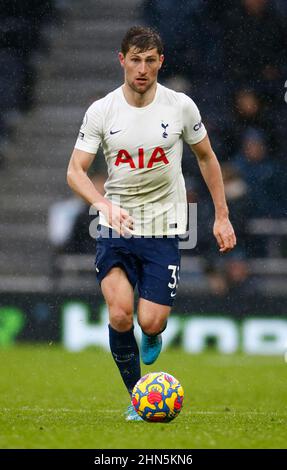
[[121, 59], [161, 59]]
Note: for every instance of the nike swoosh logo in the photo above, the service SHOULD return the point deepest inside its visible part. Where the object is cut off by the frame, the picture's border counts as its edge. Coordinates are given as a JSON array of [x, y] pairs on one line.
[[114, 132], [173, 294]]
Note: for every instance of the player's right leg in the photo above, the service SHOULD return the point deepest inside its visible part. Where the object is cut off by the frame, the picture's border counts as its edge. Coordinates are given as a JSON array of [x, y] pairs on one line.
[[119, 296], [117, 273]]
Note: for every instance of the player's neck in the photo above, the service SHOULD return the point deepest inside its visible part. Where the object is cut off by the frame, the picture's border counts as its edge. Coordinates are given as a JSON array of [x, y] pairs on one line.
[[139, 100]]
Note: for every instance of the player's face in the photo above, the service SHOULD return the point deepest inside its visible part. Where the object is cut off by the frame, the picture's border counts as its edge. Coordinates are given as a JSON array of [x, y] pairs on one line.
[[141, 68]]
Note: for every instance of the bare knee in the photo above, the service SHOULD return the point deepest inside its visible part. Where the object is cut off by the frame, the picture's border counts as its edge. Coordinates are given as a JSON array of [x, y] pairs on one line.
[[119, 297], [152, 326], [120, 319]]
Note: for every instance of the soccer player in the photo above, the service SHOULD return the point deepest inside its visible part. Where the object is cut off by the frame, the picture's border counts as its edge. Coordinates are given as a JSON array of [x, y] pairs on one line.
[[141, 126]]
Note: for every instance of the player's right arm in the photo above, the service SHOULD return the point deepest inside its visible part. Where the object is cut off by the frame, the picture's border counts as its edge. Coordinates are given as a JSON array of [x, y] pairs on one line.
[[81, 184]]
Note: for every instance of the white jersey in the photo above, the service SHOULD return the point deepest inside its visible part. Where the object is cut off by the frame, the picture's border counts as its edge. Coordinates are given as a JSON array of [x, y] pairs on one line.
[[143, 150]]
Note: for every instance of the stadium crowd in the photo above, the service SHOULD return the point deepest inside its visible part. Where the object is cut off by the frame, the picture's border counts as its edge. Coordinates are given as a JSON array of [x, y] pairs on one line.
[[229, 57], [21, 25]]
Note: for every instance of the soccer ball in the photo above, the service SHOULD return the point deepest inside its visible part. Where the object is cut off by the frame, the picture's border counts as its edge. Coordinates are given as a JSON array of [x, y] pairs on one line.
[[157, 397]]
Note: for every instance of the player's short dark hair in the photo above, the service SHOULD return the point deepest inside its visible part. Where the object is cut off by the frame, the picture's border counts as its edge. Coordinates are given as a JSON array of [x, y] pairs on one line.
[[143, 38]]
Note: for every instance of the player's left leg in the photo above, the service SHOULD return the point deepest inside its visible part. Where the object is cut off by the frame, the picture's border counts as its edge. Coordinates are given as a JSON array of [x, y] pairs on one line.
[[152, 319], [157, 285]]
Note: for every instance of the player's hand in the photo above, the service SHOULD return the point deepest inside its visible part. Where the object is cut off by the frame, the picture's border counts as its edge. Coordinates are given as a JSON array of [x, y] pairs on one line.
[[118, 218], [224, 234]]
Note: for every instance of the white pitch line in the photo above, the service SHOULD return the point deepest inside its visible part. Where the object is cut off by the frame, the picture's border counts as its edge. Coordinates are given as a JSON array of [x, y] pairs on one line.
[[56, 410], [115, 411]]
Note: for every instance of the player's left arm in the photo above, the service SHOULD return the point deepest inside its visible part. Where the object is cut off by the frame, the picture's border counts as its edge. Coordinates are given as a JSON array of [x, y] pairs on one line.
[[211, 172]]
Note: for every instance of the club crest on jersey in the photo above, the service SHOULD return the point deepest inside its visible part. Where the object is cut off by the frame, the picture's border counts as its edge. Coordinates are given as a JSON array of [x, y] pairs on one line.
[[164, 134]]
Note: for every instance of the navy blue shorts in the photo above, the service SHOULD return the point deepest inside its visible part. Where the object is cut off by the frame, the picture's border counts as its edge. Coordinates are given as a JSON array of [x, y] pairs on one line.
[[152, 264]]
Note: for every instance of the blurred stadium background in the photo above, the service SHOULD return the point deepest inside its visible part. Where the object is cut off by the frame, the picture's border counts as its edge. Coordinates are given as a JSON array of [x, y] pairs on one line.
[[56, 58]]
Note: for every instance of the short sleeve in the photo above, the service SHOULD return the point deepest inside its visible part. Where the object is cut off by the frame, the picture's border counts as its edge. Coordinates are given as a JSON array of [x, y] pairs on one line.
[[193, 127], [90, 135]]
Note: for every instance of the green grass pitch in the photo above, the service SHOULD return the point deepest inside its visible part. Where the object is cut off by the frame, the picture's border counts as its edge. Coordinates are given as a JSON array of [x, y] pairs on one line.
[[51, 398]]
